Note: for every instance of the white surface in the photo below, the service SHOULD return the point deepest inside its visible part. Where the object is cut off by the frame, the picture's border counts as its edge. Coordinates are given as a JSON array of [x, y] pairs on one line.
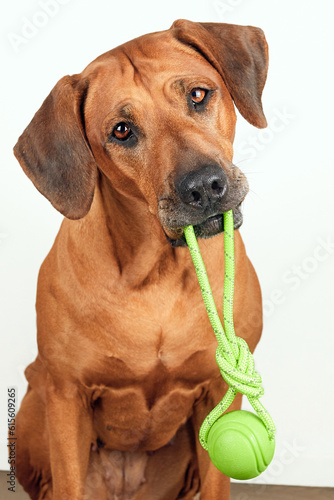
[[288, 214]]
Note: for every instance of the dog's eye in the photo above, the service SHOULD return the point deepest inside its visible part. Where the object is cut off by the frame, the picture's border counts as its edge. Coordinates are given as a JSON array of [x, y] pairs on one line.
[[198, 95], [122, 131]]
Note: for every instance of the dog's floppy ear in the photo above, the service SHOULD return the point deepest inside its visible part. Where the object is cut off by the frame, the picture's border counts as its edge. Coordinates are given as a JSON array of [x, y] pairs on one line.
[[239, 54], [54, 153]]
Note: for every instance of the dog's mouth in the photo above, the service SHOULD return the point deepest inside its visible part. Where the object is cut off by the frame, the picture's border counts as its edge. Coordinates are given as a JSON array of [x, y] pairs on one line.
[[210, 227]]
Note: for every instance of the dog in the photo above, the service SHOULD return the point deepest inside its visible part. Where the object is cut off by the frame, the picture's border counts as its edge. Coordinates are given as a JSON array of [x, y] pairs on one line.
[[130, 151]]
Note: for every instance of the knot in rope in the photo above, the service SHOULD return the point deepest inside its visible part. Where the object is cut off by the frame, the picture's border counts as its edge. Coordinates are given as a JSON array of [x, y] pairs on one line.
[[239, 372]]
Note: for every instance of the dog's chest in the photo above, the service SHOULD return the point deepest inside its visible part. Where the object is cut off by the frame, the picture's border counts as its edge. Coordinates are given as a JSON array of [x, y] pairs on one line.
[[135, 332], [142, 357], [155, 369], [144, 412]]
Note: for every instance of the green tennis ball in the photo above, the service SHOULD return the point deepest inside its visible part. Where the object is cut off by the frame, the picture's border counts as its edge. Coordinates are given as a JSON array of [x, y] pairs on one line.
[[239, 445]]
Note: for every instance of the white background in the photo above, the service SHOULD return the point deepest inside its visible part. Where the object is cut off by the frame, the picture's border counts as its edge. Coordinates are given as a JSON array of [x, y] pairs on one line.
[[288, 228]]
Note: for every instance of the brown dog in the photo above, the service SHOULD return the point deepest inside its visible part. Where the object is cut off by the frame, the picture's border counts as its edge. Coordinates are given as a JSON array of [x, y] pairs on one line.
[[131, 150]]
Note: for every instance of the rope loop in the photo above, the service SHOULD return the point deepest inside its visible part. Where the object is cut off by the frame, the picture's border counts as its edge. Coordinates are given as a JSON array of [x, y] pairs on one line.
[[235, 361]]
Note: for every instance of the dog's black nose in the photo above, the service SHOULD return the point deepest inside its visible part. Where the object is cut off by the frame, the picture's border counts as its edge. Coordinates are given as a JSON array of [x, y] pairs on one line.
[[202, 188]]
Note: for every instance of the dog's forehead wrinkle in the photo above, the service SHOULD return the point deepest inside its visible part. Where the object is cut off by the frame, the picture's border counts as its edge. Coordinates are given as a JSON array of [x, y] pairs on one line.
[[127, 111], [154, 56]]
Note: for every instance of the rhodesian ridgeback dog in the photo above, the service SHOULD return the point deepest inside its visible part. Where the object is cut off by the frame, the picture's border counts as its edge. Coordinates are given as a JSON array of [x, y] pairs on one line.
[[130, 151]]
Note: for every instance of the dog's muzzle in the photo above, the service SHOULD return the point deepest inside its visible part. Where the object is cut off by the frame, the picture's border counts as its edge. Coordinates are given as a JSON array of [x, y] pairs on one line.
[[200, 198]]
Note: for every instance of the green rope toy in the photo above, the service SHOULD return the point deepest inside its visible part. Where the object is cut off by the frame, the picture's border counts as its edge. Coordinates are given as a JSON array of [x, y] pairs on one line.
[[240, 443]]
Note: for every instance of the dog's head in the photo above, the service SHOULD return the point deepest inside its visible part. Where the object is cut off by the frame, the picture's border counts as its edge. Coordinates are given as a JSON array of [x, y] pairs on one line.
[[156, 117]]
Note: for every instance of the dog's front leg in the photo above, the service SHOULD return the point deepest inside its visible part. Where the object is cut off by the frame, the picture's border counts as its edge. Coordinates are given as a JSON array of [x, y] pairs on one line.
[[70, 435], [214, 484]]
